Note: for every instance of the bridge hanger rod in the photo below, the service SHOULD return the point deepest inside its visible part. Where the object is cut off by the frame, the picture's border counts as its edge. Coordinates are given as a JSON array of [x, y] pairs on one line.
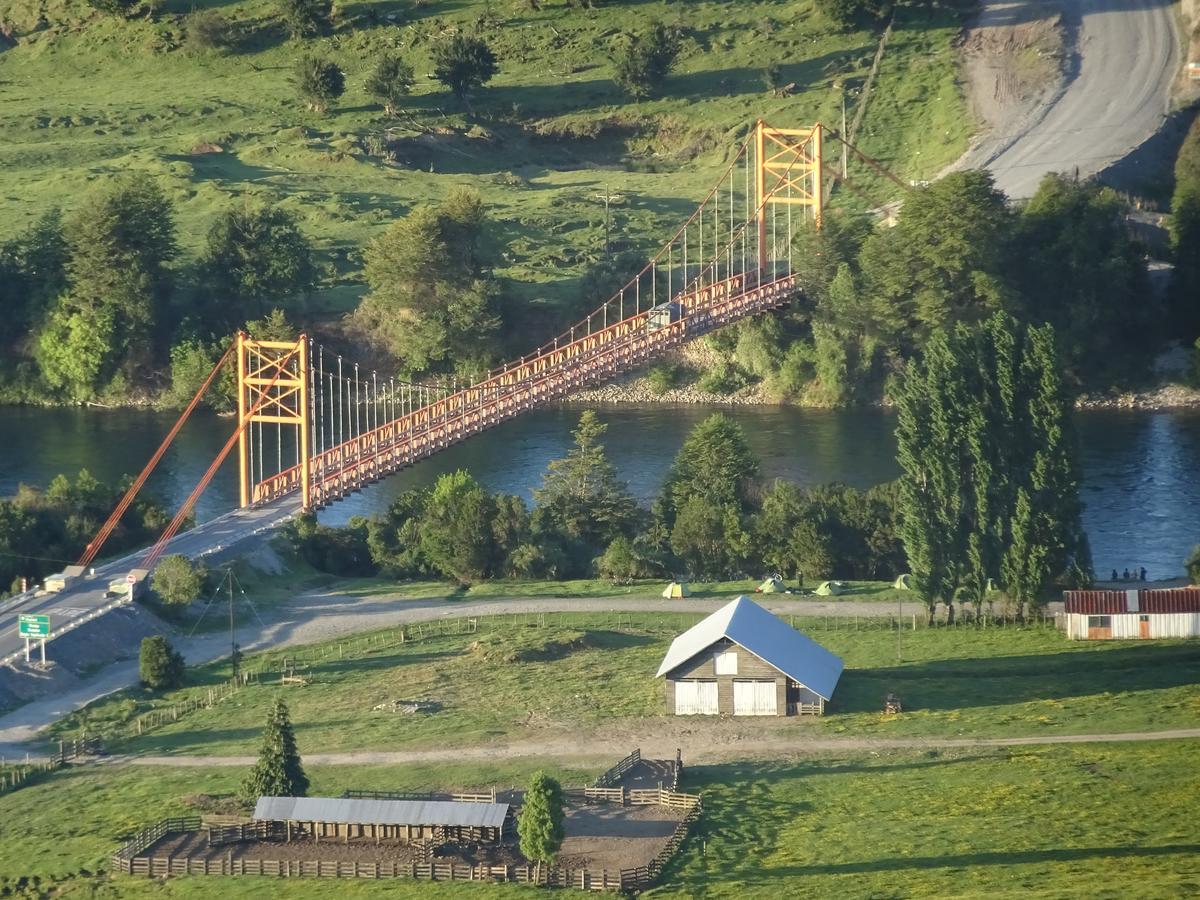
[[110, 524], [169, 532], [873, 163]]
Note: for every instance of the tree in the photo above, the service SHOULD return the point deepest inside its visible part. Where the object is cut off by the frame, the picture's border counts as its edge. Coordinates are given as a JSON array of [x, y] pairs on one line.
[[643, 61], [456, 528], [431, 304], [945, 260], [1192, 565], [989, 485], [121, 242], [306, 18], [1185, 237], [463, 62], [540, 826], [32, 274], [177, 580], [715, 464], [581, 497], [160, 666], [319, 81], [846, 14], [390, 82], [278, 772], [255, 258]]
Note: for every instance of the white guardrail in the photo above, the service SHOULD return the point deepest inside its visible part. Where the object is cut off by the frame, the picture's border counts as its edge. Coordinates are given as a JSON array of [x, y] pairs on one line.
[[123, 600]]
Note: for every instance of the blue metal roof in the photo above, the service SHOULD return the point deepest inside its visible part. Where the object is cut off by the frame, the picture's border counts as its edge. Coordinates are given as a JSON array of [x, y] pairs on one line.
[[765, 635]]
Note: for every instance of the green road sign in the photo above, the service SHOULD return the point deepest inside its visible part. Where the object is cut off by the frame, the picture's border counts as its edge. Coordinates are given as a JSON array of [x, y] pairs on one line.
[[34, 626]]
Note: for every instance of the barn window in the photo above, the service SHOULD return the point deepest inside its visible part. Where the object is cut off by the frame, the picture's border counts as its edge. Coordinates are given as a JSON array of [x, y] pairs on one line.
[[725, 662], [1099, 621]]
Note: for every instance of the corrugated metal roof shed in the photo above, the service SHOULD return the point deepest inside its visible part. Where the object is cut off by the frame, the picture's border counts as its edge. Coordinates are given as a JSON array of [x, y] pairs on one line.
[[380, 812], [767, 636], [1093, 603]]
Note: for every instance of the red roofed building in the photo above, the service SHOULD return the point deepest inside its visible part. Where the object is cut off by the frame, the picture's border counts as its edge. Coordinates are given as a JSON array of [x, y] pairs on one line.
[[1130, 615]]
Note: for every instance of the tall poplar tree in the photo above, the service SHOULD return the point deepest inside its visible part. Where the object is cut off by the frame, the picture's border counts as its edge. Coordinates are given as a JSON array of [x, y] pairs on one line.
[[541, 824]]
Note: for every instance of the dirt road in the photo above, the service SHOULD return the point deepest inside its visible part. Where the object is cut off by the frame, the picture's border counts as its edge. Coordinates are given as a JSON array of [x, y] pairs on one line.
[[1121, 57], [718, 741]]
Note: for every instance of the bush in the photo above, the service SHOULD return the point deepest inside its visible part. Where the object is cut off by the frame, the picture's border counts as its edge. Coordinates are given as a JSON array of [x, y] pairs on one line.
[[207, 29], [662, 377], [114, 7], [1193, 565], [463, 62], [723, 378], [305, 18], [177, 581], [159, 665], [846, 14], [319, 81], [391, 80], [643, 62]]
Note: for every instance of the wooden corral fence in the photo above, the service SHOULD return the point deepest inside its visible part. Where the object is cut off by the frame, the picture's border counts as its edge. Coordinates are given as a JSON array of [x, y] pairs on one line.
[[123, 859], [642, 877], [617, 772], [477, 797], [20, 774]]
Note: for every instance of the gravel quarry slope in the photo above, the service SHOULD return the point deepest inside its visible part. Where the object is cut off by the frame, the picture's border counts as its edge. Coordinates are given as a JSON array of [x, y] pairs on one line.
[[1122, 57]]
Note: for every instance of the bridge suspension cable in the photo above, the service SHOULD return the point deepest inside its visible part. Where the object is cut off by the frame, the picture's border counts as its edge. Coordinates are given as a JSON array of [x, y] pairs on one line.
[[106, 530]]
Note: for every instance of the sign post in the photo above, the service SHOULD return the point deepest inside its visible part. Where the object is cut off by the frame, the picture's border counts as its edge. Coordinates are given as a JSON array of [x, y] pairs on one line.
[[131, 581], [34, 626]]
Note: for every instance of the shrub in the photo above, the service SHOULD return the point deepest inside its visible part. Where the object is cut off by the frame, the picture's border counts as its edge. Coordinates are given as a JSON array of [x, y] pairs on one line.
[[662, 377], [159, 665], [644, 60], [319, 81], [113, 7], [1193, 565], [723, 378], [846, 14], [207, 29], [463, 62], [391, 80], [177, 580], [305, 18]]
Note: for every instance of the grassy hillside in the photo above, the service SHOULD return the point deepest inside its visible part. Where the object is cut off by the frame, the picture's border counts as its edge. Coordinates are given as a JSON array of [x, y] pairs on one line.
[[84, 96]]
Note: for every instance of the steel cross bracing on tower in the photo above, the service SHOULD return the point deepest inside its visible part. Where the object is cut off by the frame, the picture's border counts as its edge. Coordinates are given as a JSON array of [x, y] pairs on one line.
[[730, 260]]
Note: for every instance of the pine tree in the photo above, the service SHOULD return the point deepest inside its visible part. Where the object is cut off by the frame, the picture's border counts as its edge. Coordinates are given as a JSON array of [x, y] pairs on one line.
[[159, 664], [541, 824], [715, 464], [278, 772], [581, 497]]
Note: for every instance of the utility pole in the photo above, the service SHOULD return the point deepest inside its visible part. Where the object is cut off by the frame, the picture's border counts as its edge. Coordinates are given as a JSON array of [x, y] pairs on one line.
[[233, 647], [845, 137], [607, 198]]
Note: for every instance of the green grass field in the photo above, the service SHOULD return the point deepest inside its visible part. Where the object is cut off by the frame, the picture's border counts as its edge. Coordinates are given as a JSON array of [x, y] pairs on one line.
[[1077, 821], [89, 96], [524, 677]]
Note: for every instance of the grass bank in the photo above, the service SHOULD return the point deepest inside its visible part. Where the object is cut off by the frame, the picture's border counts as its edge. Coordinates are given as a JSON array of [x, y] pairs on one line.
[[1084, 821], [545, 676]]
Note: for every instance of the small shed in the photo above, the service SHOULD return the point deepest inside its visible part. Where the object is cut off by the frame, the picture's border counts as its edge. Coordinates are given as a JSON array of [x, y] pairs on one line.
[[1131, 615], [403, 820], [744, 661]]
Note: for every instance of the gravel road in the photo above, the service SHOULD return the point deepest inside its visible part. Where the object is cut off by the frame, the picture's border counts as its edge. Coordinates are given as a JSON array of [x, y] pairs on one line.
[[1123, 57]]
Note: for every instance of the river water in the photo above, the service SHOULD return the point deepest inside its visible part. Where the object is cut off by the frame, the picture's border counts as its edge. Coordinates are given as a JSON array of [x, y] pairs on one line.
[[1141, 470]]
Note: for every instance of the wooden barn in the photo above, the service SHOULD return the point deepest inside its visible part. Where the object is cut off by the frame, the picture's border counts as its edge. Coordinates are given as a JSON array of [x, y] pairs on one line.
[[403, 820], [1131, 615], [744, 661]]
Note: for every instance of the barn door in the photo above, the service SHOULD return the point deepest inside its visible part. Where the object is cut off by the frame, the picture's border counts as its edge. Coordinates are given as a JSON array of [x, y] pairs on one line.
[[695, 698], [754, 698]]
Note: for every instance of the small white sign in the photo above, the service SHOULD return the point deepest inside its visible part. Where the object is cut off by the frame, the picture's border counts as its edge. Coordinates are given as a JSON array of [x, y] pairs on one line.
[[131, 578]]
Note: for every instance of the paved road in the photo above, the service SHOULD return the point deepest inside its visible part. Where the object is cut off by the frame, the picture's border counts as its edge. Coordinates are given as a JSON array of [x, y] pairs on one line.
[[212, 540], [1115, 95]]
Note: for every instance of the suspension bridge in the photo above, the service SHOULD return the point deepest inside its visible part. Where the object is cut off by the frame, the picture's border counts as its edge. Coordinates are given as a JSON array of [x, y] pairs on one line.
[[312, 428]]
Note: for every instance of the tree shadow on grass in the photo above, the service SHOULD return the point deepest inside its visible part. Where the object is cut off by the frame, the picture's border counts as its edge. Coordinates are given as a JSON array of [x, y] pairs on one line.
[[952, 684]]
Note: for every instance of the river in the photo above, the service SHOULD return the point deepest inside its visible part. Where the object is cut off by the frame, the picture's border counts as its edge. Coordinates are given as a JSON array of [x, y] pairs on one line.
[[1141, 470]]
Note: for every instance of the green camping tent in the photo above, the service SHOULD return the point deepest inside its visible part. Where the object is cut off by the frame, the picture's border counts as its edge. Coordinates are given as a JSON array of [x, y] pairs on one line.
[[771, 586], [903, 583], [676, 590], [830, 588]]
